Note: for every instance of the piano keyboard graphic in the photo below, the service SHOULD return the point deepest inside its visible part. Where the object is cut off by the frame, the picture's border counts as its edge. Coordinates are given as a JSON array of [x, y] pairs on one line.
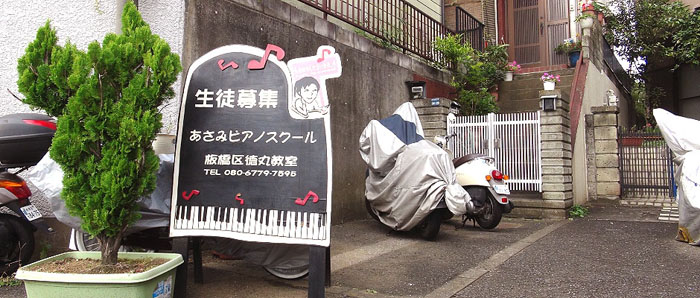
[[280, 223]]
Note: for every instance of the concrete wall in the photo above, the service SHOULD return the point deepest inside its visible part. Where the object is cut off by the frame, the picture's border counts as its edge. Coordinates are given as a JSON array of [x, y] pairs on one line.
[[599, 84], [81, 22], [688, 91], [372, 85]]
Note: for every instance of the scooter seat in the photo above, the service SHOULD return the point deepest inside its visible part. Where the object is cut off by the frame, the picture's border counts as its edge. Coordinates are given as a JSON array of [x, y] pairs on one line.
[[469, 157]]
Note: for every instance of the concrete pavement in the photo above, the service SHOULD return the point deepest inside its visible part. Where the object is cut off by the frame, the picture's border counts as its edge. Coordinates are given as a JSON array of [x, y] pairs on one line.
[[613, 252]]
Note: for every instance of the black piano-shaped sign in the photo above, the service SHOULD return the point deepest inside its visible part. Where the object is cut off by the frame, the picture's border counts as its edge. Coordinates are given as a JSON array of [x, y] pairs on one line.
[[245, 168]]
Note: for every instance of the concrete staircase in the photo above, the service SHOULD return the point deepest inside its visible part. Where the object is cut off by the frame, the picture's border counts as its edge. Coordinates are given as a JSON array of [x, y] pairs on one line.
[[522, 93]]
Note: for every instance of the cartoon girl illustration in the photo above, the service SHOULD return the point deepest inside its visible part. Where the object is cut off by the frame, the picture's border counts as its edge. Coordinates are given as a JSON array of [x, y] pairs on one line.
[[306, 97]]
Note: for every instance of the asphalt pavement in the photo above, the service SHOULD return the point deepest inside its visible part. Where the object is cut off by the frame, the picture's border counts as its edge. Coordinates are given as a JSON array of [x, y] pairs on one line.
[[613, 252]]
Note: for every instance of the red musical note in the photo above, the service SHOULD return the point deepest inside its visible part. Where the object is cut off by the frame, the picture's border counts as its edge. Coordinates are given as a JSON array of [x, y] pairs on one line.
[[301, 202], [279, 52], [188, 197], [323, 55], [239, 199], [230, 64]]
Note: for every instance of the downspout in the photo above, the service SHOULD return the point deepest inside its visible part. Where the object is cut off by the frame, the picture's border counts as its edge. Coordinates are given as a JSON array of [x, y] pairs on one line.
[[495, 18]]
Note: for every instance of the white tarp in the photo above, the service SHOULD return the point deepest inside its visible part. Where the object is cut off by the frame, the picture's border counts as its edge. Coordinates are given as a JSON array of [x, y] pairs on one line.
[[408, 175], [681, 136]]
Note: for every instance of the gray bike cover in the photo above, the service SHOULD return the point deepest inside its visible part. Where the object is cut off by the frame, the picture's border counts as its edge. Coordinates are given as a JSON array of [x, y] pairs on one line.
[[408, 175], [681, 135]]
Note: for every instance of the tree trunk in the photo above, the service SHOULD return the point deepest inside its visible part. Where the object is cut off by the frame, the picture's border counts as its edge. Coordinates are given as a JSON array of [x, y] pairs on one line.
[[109, 247]]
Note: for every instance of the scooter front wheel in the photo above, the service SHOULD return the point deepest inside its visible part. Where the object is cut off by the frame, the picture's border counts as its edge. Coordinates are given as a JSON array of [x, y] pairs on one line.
[[16, 243], [490, 217]]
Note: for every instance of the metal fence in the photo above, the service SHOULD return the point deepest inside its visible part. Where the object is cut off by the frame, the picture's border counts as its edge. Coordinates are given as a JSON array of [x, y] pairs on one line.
[[646, 170], [471, 29], [394, 21], [513, 140]]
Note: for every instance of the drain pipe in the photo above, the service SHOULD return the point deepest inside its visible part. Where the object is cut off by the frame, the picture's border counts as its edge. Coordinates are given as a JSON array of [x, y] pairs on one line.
[[495, 18]]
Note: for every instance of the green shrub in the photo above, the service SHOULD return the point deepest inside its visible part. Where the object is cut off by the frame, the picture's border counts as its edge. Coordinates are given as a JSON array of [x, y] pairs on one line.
[[473, 72], [106, 100]]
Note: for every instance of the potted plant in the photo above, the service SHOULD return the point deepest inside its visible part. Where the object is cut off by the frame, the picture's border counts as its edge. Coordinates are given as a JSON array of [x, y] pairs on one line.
[[510, 69], [106, 100], [572, 48], [585, 20], [549, 81]]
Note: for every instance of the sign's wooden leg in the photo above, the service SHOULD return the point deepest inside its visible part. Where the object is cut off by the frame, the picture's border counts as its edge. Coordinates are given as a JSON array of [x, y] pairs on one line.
[[181, 246], [317, 271], [197, 258]]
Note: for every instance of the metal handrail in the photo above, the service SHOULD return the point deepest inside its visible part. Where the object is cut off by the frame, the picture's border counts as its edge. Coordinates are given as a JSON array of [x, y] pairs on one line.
[[394, 21]]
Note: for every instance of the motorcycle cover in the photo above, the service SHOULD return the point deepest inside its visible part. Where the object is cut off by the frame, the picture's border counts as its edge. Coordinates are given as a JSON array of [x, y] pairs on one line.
[[681, 136], [47, 176], [408, 175]]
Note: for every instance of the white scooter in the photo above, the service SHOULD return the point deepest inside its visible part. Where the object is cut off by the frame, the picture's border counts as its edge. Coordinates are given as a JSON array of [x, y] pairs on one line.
[[485, 184]]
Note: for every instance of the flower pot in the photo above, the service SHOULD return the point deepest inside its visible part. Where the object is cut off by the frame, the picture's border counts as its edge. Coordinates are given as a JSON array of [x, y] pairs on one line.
[[509, 76], [586, 23], [549, 85], [156, 282], [573, 58]]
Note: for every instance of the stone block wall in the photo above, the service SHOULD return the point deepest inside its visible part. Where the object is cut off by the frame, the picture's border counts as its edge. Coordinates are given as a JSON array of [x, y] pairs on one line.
[[433, 118], [557, 186], [607, 167]]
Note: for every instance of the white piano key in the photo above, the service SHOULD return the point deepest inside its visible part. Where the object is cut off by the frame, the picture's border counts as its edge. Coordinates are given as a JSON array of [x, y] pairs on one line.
[[217, 218], [258, 220], [194, 216], [272, 226], [304, 224], [249, 226], [314, 226], [287, 223], [234, 219], [298, 225], [263, 227], [178, 222]]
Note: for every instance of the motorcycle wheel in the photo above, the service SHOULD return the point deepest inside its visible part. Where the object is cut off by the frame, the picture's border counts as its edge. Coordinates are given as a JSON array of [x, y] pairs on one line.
[[288, 273], [370, 210], [491, 215], [429, 228], [16, 243]]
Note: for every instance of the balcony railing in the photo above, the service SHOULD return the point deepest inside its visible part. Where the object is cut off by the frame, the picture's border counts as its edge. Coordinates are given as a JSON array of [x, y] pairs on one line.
[[395, 21], [470, 27]]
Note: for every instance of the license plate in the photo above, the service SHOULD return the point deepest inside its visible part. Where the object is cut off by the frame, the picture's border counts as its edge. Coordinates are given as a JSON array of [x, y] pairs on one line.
[[501, 189], [31, 212]]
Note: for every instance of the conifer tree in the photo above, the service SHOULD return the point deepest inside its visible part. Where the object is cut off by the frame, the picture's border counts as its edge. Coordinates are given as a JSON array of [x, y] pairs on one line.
[[106, 100]]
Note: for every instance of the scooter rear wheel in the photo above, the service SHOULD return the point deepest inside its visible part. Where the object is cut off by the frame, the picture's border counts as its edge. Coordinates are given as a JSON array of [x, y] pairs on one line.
[[16, 243], [491, 215], [429, 228], [288, 273]]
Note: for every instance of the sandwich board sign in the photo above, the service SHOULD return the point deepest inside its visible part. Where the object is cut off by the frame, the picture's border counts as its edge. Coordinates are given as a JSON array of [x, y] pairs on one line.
[[253, 158]]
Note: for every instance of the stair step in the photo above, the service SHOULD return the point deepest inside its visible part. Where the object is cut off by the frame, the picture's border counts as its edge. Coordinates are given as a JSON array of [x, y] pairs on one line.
[[532, 84], [537, 75]]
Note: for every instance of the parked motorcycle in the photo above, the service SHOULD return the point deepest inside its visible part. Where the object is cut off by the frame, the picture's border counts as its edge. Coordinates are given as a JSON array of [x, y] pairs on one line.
[[411, 182], [486, 185], [24, 139]]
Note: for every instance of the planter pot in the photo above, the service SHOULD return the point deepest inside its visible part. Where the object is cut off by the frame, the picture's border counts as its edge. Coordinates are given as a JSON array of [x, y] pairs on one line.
[[632, 141], [586, 23], [573, 58], [157, 282], [549, 85], [509, 76]]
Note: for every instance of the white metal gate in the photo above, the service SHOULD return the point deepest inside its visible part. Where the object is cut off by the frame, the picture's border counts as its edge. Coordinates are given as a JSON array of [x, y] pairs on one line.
[[512, 139]]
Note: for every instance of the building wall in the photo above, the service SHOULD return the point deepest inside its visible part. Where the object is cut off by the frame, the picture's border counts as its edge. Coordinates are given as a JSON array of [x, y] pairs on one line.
[[372, 85], [81, 22], [432, 8]]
